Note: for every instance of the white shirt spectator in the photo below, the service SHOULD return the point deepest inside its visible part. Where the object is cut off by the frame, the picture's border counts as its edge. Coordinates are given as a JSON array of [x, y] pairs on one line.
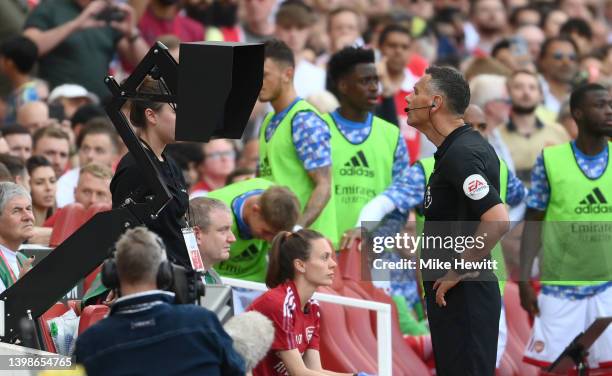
[[551, 102], [308, 79], [65, 187]]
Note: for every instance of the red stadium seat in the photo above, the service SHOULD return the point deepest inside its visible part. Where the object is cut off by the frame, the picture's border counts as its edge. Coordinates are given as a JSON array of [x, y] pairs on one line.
[[95, 209], [338, 351], [401, 350], [349, 262], [405, 361], [360, 328], [91, 315], [75, 305], [56, 310], [69, 219]]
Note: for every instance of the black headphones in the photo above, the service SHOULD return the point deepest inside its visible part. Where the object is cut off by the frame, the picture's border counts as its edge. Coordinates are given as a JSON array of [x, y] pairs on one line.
[[164, 279]]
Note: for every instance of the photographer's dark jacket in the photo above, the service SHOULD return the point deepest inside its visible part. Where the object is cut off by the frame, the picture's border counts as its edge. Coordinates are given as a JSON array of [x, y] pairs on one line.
[[145, 334]]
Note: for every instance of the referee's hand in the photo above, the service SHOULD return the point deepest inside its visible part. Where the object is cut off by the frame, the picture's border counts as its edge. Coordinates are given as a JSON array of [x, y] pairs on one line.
[[442, 285], [450, 279], [529, 298]]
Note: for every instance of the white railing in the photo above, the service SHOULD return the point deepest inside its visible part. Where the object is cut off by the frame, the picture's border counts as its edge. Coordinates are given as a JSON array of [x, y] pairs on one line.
[[383, 319]]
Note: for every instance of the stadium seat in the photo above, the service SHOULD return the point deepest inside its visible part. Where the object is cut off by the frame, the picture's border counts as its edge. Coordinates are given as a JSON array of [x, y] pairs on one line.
[[69, 219], [359, 325], [56, 310], [338, 351], [91, 315], [401, 350], [406, 362], [97, 208], [75, 305], [349, 262]]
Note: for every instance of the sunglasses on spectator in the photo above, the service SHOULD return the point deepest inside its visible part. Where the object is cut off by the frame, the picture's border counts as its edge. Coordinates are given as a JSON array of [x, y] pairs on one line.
[[559, 56], [221, 154]]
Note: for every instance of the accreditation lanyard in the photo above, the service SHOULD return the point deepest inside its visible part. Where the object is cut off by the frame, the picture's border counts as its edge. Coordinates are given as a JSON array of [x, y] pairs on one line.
[[192, 249], [8, 266]]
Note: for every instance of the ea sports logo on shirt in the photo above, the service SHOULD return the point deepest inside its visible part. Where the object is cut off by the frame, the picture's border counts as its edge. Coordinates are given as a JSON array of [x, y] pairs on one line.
[[594, 203], [357, 166], [475, 187]]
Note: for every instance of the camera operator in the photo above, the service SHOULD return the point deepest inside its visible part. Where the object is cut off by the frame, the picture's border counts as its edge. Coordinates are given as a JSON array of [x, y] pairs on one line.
[[77, 40], [145, 333]]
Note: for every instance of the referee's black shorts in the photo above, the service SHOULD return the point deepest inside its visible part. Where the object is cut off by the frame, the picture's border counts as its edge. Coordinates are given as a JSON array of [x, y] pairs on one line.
[[464, 333]]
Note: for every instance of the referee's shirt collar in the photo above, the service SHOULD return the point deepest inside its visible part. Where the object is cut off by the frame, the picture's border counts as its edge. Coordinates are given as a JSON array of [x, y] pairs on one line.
[[450, 139]]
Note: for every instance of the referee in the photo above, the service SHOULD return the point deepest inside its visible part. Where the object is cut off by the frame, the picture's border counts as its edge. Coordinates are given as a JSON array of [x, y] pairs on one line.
[[461, 200]]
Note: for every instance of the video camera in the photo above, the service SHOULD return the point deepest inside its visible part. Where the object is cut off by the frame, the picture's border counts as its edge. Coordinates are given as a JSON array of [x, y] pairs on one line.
[[187, 285]]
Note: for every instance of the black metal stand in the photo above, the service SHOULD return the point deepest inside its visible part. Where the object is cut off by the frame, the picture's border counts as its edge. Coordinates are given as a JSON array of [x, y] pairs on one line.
[[575, 354]]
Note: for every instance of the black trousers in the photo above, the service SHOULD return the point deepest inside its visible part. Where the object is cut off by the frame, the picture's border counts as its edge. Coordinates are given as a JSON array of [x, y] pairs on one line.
[[464, 333]]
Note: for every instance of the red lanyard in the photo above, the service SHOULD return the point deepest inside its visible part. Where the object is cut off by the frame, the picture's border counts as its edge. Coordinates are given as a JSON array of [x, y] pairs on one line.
[[8, 266]]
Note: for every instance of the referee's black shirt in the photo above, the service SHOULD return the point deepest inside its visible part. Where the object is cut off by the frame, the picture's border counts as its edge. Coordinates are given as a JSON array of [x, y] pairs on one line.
[[463, 186]]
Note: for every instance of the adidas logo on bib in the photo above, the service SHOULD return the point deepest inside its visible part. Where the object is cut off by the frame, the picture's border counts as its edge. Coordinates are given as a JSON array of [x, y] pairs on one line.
[[357, 165], [594, 203], [264, 168]]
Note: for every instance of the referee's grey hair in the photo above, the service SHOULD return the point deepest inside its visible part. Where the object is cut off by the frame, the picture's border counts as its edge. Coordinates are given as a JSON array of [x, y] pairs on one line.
[[139, 252], [9, 190], [202, 207]]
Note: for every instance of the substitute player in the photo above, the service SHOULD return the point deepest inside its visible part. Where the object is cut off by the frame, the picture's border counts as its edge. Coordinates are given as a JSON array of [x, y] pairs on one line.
[[571, 218], [369, 153], [294, 148]]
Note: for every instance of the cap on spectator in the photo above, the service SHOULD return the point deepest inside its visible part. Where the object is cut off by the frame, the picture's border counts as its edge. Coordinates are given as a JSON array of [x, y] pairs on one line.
[[71, 91]]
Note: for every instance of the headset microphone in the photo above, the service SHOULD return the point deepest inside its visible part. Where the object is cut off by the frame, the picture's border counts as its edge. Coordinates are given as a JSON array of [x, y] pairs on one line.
[[419, 108]]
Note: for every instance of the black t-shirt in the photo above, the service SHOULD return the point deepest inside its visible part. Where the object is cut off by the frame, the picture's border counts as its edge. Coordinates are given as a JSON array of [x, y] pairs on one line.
[[130, 182], [462, 187]]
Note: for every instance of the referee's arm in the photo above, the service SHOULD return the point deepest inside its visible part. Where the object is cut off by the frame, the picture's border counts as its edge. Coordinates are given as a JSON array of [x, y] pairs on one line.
[[488, 207], [494, 223]]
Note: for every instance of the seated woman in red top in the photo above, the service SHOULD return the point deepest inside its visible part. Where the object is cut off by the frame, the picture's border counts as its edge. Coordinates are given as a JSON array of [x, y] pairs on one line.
[[299, 263]]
